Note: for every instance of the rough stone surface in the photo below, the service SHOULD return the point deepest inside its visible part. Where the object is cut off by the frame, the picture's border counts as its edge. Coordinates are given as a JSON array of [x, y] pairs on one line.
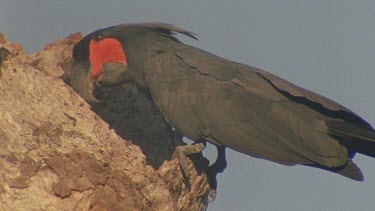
[[56, 154]]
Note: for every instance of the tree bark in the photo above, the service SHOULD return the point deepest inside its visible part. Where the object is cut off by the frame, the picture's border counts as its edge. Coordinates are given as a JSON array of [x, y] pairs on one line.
[[57, 154]]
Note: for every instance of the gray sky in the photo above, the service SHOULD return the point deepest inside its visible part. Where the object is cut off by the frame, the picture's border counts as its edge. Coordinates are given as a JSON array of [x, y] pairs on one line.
[[325, 46]]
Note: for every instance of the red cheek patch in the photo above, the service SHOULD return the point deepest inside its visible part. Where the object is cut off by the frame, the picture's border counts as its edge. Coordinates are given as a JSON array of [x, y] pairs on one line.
[[103, 51]]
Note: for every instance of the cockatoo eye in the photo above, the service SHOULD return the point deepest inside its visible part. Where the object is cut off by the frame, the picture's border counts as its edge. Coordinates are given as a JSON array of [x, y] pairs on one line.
[[98, 37]]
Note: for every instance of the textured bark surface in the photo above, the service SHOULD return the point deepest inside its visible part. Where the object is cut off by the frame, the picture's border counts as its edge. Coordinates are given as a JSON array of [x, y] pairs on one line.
[[57, 154]]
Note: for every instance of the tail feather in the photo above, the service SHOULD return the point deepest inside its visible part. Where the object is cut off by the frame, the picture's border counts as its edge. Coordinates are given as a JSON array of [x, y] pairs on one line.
[[349, 170], [354, 137]]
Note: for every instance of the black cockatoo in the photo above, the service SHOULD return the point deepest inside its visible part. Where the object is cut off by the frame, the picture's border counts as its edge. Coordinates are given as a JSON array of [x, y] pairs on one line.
[[209, 98]]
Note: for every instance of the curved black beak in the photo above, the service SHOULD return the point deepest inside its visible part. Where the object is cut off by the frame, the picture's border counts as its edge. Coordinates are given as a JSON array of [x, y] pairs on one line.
[[82, 82]]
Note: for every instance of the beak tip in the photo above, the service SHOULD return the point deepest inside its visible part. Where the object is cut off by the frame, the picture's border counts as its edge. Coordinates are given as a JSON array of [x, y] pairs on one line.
[[88, 97], [93, 100]]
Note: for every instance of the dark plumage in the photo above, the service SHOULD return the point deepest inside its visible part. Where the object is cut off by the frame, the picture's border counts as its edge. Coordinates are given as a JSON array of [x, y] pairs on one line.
[[231, 104]]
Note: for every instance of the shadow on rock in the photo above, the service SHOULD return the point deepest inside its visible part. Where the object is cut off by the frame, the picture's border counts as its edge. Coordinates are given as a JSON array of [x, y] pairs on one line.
[[136, 118]]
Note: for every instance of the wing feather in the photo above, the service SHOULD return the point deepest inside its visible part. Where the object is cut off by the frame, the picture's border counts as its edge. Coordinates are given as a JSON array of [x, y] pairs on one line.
[[264, 115]]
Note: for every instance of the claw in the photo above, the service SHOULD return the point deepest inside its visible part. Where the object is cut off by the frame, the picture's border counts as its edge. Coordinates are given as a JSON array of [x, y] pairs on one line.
[[211, 172], [211, 196], [181, 153]]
